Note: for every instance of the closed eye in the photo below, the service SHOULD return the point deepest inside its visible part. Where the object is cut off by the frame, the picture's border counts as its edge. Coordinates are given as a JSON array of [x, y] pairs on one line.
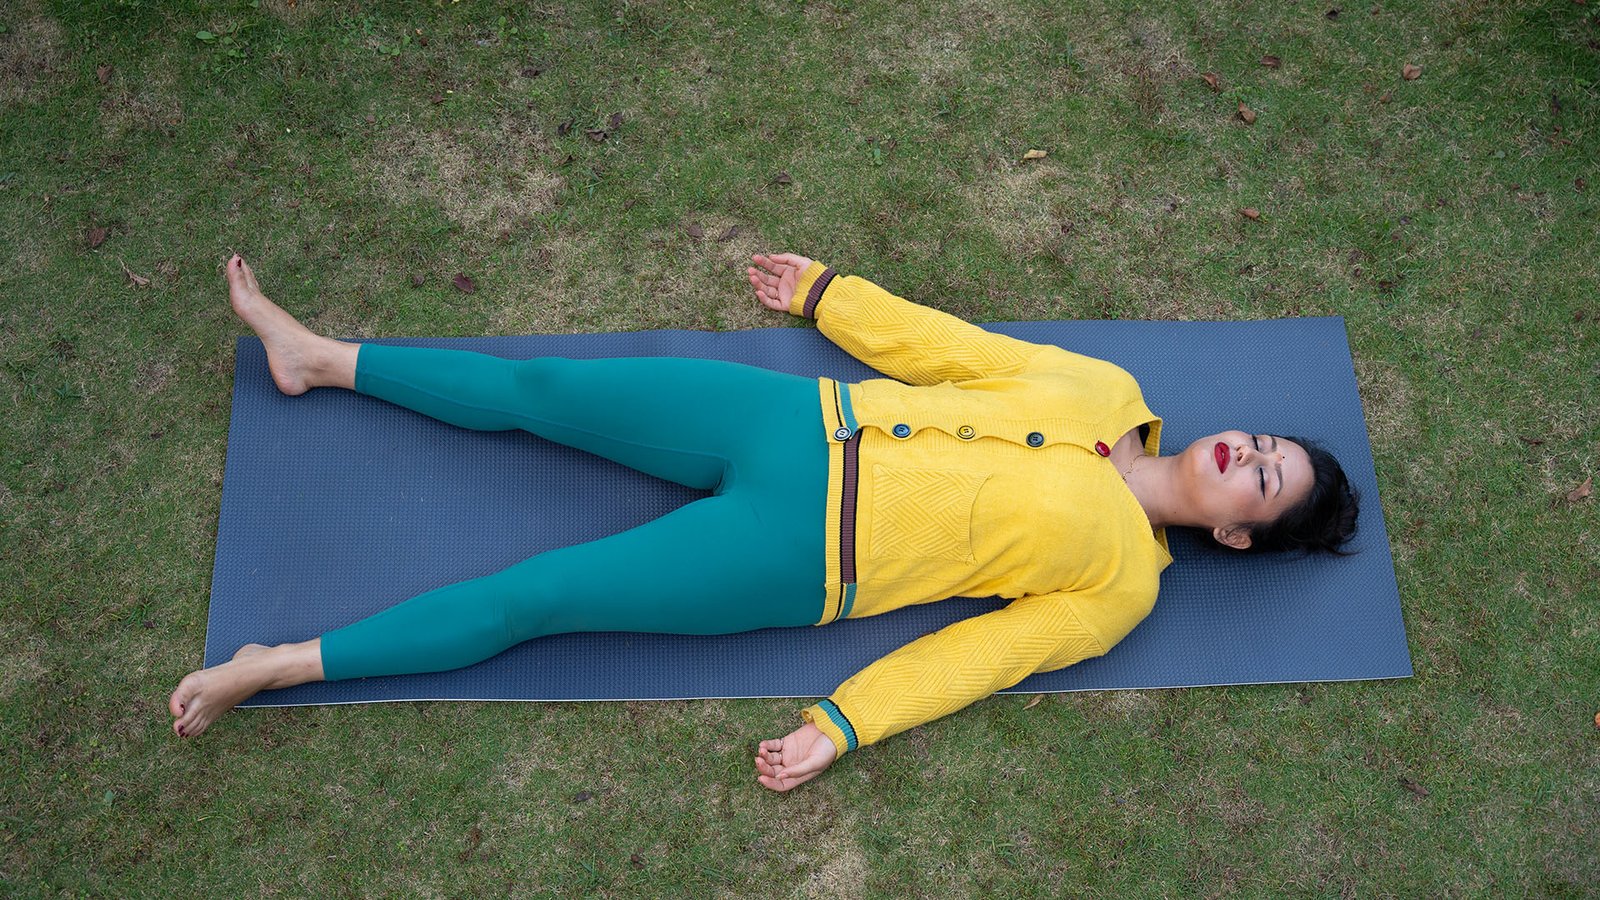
[[1260, 470]]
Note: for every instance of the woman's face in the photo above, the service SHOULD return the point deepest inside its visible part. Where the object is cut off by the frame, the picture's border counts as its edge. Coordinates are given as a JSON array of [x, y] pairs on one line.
[[1236, 479]]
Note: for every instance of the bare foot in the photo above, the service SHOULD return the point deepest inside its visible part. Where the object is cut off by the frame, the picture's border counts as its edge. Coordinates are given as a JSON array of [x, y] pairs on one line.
[[294, 353], [204, 695]]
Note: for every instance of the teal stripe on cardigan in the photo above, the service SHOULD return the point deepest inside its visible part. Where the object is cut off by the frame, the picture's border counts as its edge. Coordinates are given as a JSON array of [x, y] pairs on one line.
[[832, 709], [849, 414]]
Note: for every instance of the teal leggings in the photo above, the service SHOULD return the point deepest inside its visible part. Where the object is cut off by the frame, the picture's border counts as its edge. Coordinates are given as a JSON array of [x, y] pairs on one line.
[[749, 556]]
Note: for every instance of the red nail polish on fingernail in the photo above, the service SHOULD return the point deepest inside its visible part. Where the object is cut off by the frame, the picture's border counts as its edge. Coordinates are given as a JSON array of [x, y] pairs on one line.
[[180, 732]]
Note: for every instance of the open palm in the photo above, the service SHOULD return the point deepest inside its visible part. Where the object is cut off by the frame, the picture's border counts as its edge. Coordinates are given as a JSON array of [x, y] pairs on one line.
[[774, 278]]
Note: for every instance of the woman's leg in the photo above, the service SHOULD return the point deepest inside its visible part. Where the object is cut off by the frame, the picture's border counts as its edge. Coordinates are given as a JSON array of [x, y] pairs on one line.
[[684, 420]]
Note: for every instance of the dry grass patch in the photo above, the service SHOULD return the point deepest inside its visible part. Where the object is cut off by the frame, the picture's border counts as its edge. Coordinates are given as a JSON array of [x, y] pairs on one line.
[[30, 56], [150, 104], [22, 662], [487, 180]]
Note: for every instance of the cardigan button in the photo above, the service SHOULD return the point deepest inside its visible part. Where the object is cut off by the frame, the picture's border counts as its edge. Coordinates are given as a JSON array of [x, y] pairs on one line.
[[1101, 448], [966, 432], [842, 434], [901, 431], [1035, 439]]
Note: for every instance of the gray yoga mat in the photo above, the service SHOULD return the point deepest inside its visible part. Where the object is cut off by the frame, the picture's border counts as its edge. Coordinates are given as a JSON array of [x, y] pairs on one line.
[[336, 506]]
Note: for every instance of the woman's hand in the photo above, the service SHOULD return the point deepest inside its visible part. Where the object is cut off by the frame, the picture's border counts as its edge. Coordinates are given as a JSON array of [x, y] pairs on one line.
[[794, 760], [774, 278]]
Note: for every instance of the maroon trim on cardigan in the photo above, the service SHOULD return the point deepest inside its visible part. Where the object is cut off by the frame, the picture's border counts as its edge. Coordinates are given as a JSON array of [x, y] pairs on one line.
[[814, 295], [847, 510]]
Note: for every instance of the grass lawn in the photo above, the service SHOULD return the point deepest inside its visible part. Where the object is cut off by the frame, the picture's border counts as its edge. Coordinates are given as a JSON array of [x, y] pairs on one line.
[[611, 166]]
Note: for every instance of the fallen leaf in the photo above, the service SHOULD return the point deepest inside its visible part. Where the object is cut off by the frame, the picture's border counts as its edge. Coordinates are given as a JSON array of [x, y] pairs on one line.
[[1582, 491], [569, 159], [463, 283], [596, 134], [1246, 113], [1034, 154], [474, 839], [1532, 442], [695, 231], [1413, 787], [1271, 62], [97, 236], [1579, 183], [1251, 213], [1410, 72], [138, 280], [783, 178], [1211, 81], [730, 234], [1332, 14], [421, 39], [565, 128], [416, 281], [1034, 702], [1387, 96], [581, 797], [615, 121], [103, 73], [531, 71], [436, 99], [636, 861], [1385, 286]]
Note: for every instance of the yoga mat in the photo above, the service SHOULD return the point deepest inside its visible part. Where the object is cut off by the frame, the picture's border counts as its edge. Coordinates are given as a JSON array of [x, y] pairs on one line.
[[336, 506]]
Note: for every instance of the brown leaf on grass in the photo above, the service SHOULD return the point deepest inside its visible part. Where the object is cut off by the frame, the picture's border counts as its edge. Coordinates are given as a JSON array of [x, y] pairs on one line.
[[103, 73], [1246, 113], [730, 234], [615, 121], [1034, 154], [1385, 286], [1211, 81], [636, 861], [565, 128], [783, 178], [1271, 62], [1034, 702], [96, 236], [596, 134], [1413, 787], [695, 231], [1531, 442], [1580, 184], [1582, 491], [1251, 213], [138, 280], [463, 283], [1387, 96], [1410, 72]]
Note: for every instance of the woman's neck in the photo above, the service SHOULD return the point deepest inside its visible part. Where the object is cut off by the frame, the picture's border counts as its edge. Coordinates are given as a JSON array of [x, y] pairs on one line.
[[1156, 482]]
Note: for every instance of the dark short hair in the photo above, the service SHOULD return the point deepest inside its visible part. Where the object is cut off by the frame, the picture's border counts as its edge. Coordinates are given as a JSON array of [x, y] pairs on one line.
[[1321, 523]]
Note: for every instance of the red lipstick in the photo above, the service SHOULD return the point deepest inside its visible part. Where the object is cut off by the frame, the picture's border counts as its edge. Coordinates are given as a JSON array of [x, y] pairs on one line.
[[1221, 453]]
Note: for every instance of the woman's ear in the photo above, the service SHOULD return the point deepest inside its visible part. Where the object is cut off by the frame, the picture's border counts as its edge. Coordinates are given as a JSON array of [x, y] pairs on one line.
[[1235, 536]]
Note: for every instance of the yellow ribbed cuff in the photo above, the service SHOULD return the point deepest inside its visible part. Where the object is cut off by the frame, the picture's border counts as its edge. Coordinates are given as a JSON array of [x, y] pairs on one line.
[[802, 303], [831, 722]]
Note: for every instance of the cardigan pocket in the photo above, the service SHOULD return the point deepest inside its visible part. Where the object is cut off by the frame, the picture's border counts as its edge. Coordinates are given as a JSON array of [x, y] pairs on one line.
[[923, 513]]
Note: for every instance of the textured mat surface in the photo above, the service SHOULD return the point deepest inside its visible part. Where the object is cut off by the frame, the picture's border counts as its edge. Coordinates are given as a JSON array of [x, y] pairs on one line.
[[336, 506]]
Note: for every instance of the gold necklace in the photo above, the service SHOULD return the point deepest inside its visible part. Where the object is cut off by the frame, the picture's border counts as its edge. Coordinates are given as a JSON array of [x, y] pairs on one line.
[[1129, 471]]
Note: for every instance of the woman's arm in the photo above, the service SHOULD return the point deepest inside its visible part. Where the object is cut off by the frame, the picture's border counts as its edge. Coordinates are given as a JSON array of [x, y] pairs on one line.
[[904, 340]]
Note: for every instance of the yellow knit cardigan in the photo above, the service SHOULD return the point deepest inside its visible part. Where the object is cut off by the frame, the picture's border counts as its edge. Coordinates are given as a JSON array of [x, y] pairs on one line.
[[985, 473]]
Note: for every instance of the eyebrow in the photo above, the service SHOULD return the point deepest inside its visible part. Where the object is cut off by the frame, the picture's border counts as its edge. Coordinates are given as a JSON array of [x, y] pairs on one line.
[[1278, 466]]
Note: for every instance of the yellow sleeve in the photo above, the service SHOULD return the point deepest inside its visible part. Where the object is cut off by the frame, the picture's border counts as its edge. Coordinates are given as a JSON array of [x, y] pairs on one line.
[[961, 663], [904, 340]]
